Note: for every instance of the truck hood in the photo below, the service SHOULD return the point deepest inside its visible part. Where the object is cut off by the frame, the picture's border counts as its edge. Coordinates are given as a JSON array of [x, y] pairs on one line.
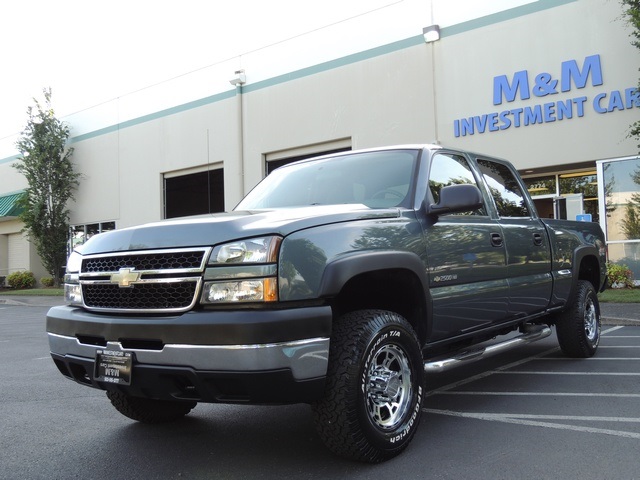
[[219, 228]]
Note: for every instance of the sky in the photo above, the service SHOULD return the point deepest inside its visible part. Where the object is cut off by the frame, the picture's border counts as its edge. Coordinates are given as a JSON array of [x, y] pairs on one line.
[[92, 51]]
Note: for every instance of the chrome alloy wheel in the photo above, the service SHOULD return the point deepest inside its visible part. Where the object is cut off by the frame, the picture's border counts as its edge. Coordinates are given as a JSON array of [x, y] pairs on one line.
[[590, 320], [388, 390]]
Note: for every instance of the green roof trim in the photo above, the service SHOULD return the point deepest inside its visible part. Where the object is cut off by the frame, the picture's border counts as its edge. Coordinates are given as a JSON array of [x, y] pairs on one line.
[[12, 158], [9, 205]]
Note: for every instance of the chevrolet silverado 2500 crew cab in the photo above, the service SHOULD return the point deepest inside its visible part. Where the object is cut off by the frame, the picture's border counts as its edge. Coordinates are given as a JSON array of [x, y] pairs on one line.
[[338, 281]]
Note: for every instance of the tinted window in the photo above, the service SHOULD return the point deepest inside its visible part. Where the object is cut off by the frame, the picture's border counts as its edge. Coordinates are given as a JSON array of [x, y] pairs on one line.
[[448, 169], [375, 179], [504, 188]]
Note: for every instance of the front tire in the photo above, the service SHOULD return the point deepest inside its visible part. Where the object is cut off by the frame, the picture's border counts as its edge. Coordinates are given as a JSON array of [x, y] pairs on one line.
[[375, 387], [578, 328], [147, 410]]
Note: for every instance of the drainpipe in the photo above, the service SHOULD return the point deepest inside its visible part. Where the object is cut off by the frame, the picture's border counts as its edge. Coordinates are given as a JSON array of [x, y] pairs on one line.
[[238, 81]]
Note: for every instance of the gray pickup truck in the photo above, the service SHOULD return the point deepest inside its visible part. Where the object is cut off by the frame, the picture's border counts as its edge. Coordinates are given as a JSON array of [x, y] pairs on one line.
[[339, 281]]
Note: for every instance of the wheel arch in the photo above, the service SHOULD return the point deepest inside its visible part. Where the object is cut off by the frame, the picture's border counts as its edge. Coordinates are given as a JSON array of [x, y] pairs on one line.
[[393, 281], [586, 267]]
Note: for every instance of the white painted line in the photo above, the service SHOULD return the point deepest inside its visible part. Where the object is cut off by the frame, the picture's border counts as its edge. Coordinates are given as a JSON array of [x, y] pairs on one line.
[[521, 420], [540, 394], [590, 359], [623, 336], [619, 346], [604, 374], [539, 356], [612, 329], [491, 372]]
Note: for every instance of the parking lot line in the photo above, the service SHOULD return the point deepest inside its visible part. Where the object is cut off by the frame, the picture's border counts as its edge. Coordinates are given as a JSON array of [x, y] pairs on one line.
[[607, 374], [592, 359], [522, 420], [543, 394]]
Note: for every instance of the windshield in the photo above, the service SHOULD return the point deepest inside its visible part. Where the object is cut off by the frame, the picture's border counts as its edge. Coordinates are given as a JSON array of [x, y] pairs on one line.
[[375, 179]]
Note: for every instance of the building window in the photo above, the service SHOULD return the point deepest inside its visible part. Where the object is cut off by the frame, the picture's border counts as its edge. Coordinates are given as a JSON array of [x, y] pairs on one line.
[[194, 194], [620, 192], [564, 195], [538, 186], [585, 183], [81, 233]]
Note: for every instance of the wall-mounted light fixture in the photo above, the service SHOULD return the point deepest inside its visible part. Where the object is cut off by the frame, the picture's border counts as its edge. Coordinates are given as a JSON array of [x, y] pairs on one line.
[[431, 33], [239, 78]]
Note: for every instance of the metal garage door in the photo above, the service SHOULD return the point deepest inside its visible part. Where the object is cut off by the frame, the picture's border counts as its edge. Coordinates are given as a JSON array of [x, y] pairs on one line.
[[18, 258]]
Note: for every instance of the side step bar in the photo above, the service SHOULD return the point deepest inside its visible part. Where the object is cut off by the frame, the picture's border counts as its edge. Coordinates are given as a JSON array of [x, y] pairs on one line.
[[537, 332]]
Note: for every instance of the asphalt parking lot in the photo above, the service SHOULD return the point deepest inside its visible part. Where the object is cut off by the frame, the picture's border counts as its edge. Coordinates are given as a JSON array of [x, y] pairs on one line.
[[528, 414]]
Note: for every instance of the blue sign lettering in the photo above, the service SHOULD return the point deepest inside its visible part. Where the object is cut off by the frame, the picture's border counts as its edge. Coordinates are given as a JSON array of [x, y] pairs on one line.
[[572, 75], [501, 86], [544, 84], [570, 71]]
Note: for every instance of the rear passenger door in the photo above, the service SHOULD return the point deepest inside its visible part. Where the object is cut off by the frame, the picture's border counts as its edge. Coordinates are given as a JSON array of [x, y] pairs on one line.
[[466, 257], [525, 237]]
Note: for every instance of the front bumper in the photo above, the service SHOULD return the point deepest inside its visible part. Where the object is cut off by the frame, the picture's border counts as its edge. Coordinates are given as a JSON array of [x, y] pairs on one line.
[[255, 356]]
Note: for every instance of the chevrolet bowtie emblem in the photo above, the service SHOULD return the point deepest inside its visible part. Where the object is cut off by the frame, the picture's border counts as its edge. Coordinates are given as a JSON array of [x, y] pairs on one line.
[[125, 277]]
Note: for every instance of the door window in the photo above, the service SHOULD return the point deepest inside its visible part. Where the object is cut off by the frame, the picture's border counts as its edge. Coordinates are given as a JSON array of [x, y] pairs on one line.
[[448, 169], [505, 189]]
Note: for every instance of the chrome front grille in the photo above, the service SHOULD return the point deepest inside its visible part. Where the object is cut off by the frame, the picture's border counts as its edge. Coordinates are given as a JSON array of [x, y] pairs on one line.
[[188, 259], [158, 281]]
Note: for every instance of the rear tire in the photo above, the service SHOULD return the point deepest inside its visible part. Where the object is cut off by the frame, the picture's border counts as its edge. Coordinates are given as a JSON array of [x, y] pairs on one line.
[[375, 387], [147, 410], [578, 328]]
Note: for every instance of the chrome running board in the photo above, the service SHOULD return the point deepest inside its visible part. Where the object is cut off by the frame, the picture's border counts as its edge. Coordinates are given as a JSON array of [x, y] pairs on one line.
[[536, 332]]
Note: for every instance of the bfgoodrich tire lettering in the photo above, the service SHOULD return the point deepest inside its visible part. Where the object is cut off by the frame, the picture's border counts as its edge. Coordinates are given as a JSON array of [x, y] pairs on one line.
[[147, 410], [375, 387], [578, 328]]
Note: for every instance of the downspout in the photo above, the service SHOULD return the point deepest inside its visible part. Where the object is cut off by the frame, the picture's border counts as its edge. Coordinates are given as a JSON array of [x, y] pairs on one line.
[[239, 80]]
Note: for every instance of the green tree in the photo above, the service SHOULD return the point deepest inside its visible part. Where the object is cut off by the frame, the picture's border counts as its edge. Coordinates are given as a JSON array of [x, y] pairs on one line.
[[630, 224], [45, 163], [632, 16]]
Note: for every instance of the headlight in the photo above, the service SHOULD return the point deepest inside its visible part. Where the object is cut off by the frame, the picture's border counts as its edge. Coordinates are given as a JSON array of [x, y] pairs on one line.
[[74, 263], [254, 250], [73, 294], [72, 288], [255, 290], [242, 271]]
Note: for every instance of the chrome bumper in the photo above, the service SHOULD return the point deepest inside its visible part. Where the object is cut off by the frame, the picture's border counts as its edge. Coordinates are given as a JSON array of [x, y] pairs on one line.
[[307, 359]]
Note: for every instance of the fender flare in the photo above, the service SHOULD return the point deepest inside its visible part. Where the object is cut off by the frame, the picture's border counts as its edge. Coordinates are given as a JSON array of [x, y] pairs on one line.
[[339, 271], [343, 268], [578, 256]]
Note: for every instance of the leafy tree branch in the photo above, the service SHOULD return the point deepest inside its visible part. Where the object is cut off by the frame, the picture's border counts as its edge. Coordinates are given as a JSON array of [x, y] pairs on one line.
[[46, 164]]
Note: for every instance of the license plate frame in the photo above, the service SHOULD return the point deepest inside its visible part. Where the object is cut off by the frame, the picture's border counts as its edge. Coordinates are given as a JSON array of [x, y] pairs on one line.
[[113, 366]]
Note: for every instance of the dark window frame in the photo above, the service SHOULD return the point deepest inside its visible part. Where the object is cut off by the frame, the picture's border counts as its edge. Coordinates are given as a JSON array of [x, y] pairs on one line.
[[194, 193]]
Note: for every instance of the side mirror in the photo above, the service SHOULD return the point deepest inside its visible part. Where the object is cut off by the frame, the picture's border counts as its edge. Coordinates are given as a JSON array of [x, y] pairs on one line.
[[456, 199]]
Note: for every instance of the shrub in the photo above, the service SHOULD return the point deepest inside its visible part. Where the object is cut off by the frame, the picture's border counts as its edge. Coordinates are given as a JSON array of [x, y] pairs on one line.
[[47, 281], [620, 276], [20, 280]]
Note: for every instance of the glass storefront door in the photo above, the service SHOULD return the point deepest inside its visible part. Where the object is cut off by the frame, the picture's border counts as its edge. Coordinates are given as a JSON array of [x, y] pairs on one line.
[[619, 194]]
